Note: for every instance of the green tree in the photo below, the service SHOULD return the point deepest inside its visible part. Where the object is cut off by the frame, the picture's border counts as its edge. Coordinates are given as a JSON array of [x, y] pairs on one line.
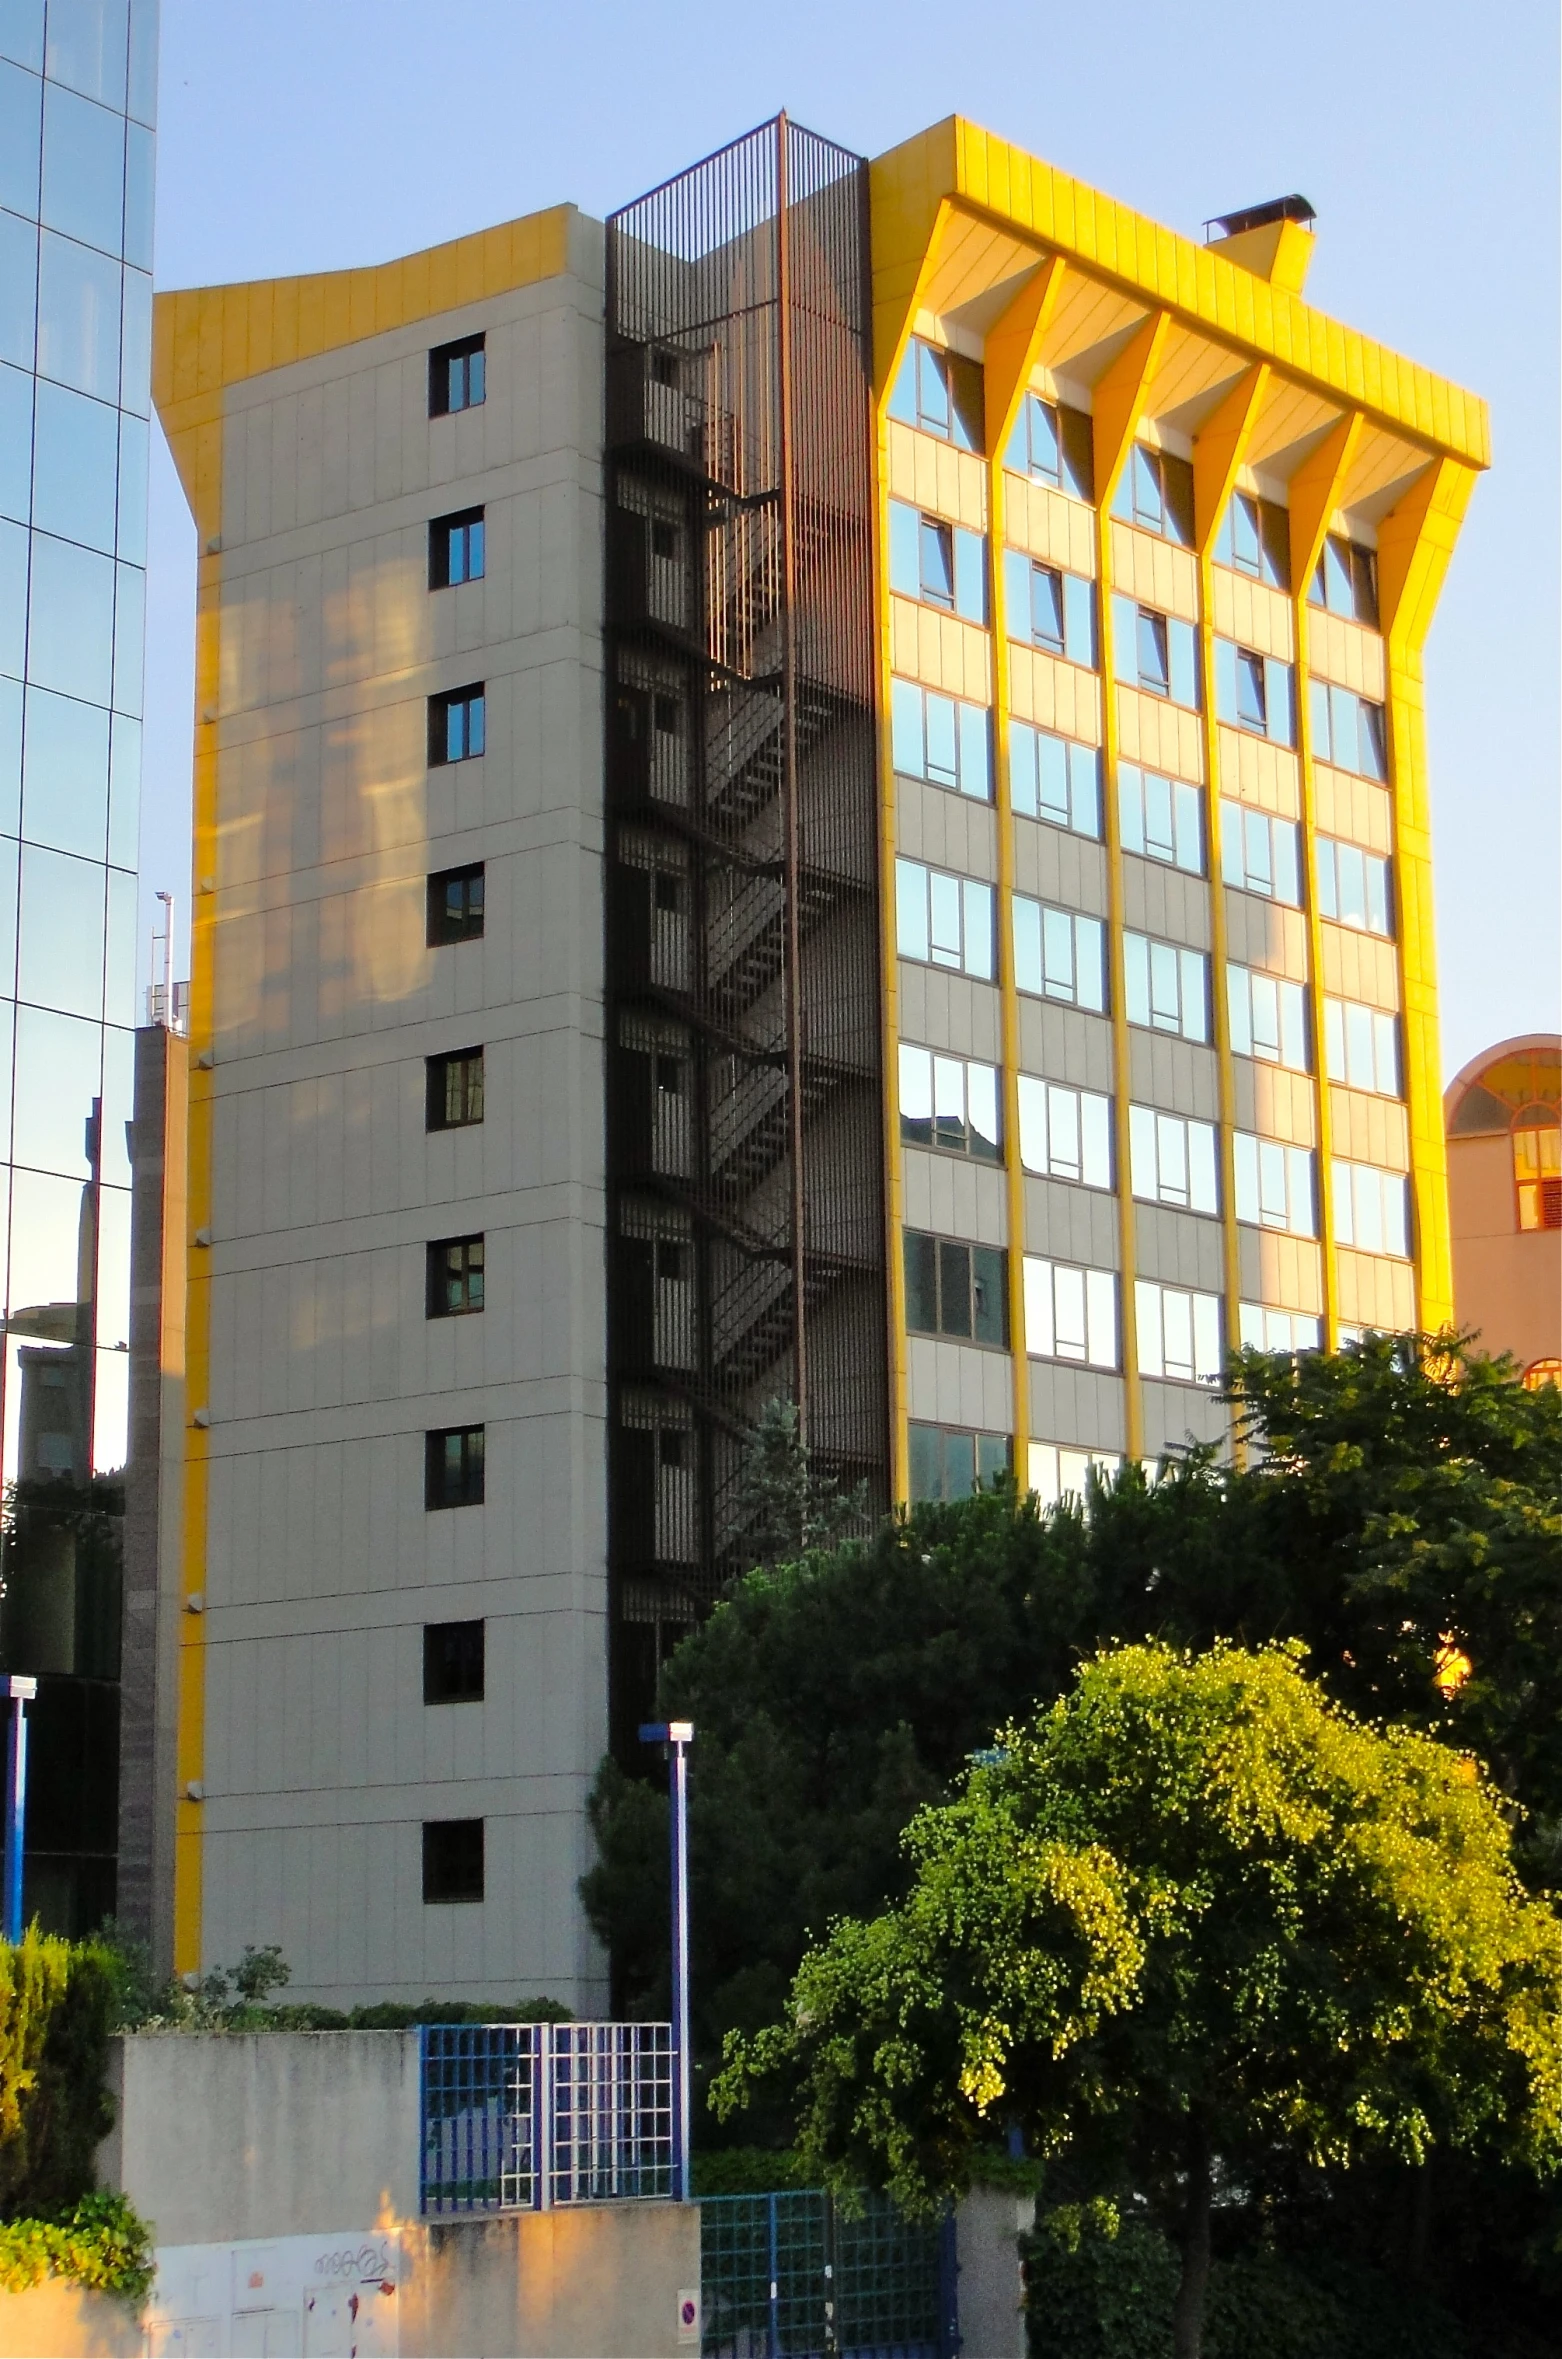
[[1189, 1917], [784, 1505]]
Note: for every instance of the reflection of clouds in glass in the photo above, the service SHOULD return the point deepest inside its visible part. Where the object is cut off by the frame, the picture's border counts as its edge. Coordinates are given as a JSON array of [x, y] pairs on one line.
[[60, 963], [111, 1412], [58, 1061], [18, 289], [88, 44], [78, 316]]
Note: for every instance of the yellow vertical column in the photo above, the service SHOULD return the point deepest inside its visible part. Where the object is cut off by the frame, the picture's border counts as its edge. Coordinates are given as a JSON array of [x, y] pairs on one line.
[[1009, 355], [1315, 494], [1415, 542], [1120, 399], [1218, 451], [190, 1748]]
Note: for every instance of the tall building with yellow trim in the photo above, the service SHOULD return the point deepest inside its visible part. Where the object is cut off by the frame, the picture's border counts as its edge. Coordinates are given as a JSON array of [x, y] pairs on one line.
[[817, 792]]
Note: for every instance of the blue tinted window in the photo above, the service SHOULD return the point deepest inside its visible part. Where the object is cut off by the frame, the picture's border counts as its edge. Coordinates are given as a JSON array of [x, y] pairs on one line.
[[135, 371], [124, 792], [139, 154], [60, 961], [10, 772], [133, 453], [141, 94], [87, 48], [65, 774], [83, 169], [16, 442], [119, 952], [129, 637], [78, 317], [21, 121], [59, 1071], [75, 467], [13, 597], [18, 289], [71, 642], [21, 32]]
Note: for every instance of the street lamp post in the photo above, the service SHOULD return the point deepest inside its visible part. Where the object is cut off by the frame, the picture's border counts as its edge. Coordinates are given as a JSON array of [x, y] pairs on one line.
[[677, 1736], [21, 1692]]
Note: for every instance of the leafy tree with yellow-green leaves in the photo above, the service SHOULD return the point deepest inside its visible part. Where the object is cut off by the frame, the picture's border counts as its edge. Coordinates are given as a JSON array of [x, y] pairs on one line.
[[1191, 1917]]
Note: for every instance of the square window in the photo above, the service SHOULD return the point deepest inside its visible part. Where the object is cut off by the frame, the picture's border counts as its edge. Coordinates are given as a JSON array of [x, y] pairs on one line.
[[455, 1089], [453, 1662], [456, 376], [456, 549], [452, 1860], [453, 1468], [455, 1277], [457, 726], [455, 905]]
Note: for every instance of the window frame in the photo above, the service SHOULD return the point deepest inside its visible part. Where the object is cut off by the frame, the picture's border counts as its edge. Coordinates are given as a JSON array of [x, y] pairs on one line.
[[1179, 683], [1377, 869], [451, 1897], [463, 350], [990, 1150], [1155, 494], [1274, 1185], [1091, 1124], [1184, 809], [1281, 879], [469, 703], [986, 1288], [1030, 768], [1098, 1329], [472, 1463], [935, 907], [1206, 1365], [1036, 932], [970, 740], [1350, 1181], [437, 1088], [464, 529], [943, 1435], [1353, 1030], [1071, 437], [1291, 1026], [1153, 1141], [1147, 963], [1270, 537], [958, 417], [441, 932], [438, 1277], [453, 1680]]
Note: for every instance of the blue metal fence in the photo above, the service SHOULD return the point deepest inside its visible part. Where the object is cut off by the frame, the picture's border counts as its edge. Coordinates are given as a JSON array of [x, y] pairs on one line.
[[792, 2276], [522, 2116]]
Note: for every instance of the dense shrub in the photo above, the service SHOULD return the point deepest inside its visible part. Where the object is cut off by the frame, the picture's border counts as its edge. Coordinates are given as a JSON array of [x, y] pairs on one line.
[[100, 2242]]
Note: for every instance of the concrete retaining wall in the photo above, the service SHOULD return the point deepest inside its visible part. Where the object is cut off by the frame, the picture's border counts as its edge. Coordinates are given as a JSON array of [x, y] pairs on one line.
[[224, 2136], [57, 2321]]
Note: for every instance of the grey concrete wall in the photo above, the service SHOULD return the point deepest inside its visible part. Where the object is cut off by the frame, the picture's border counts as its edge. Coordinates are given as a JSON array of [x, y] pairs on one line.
[[602, 2282], [221, 2137], [988, 2228]]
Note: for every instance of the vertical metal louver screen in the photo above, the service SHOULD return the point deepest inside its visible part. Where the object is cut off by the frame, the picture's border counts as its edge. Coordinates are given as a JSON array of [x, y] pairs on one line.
[[745, 1112]]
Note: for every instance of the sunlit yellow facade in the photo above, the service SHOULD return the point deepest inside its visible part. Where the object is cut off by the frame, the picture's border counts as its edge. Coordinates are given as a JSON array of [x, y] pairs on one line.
[[1210, 354]]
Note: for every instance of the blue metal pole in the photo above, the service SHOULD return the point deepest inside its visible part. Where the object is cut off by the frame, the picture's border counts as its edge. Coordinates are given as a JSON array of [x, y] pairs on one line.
[[680, 1915], [21, 1693], [678, 1735]]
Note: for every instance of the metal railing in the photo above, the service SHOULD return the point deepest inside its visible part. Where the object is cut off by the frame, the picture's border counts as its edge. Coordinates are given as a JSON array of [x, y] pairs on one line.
[[523, 2116]]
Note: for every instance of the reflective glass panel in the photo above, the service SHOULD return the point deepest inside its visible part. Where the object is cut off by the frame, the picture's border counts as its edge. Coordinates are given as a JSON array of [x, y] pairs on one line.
[[18, 289], [21, 118], [58, 1078], [119, 1084], [45, 1254], [60, 962], [10, 760], [134, 441], [87, 42], [75, 467], [124, 792], [135, 369], [13, 597], [78, 316], [141, 95], [10, 861], [129, 638], [83, 169], [139, 156], [16, 442], [65, 774], [113, 1287], [70, 642], [21, 32], [119, 975]]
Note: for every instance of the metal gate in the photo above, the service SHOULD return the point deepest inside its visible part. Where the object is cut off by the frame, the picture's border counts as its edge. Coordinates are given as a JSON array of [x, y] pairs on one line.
[[792, 2276]]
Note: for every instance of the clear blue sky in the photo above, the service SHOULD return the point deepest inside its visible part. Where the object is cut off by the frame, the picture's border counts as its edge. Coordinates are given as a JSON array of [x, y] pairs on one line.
[[314, 134]]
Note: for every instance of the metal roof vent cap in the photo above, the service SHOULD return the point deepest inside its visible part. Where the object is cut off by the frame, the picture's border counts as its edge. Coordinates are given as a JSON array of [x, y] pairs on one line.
[[1273, 240]]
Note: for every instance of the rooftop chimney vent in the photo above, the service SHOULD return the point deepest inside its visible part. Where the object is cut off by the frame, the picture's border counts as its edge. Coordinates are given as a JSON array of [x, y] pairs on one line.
[[1232, 225]]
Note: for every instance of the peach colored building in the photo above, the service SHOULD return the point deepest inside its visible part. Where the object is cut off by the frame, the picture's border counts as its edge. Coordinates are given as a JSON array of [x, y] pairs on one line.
[[1504, 1119]]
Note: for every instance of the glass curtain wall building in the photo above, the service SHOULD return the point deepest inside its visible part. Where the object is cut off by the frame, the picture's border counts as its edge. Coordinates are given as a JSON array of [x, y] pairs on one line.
[[78, 83]]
